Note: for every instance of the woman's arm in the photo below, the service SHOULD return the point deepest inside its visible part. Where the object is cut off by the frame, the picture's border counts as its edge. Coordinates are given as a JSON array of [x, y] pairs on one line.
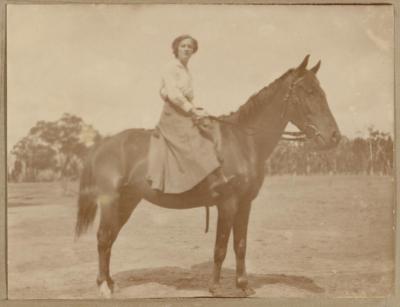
[[173, 92]]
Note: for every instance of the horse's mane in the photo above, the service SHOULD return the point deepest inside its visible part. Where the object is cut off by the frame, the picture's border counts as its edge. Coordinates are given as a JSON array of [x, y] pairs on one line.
[[255, 102]]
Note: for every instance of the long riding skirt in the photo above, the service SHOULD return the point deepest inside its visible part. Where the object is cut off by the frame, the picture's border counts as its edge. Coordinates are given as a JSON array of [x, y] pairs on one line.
[[180, 157]]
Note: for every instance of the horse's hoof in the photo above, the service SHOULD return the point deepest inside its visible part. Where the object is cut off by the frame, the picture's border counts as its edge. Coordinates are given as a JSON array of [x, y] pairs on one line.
[[215, 290], [105, 291], [242, 282], [248, 291]]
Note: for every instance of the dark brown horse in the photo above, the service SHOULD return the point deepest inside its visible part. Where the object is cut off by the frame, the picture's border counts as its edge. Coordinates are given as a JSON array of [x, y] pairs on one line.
[[113, 177]]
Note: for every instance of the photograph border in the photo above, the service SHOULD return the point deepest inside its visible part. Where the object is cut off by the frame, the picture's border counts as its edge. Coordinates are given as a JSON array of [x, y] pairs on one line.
[[390, 301]]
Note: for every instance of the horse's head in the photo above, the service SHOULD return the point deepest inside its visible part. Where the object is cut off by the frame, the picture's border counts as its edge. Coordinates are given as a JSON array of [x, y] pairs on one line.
[[307, 107]]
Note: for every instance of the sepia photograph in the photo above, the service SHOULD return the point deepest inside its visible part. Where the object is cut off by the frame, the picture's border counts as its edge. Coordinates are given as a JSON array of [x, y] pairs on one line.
[[200, 151]]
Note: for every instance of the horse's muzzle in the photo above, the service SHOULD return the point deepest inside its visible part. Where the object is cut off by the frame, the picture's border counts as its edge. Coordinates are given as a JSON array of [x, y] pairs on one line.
[[329, 142]]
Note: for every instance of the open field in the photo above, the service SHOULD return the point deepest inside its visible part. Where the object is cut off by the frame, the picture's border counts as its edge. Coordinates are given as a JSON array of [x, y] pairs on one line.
[[308, 236]]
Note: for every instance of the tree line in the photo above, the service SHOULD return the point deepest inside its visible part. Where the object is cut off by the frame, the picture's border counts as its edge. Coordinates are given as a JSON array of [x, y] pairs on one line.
[[54, 150]]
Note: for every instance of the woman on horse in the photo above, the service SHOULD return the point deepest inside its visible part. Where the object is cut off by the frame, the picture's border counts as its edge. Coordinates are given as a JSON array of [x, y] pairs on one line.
[[180, 156]]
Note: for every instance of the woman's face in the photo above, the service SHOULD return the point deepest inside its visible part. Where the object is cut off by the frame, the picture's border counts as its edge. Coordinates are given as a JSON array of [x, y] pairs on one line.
[[185, 50]]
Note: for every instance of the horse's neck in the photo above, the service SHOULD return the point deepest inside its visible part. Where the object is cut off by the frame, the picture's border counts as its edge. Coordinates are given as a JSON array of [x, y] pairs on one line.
[[264, 114], [268, 128]]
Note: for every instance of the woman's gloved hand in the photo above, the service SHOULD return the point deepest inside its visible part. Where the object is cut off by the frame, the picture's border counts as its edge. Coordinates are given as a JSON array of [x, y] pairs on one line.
[[198, 113], [200, 117]]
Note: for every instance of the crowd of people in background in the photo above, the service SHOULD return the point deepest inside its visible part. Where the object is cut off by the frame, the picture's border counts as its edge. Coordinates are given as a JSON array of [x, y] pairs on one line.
[[371, 155]]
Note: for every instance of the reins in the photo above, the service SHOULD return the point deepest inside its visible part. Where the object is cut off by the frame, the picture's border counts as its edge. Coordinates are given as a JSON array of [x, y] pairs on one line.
[[297, 136]]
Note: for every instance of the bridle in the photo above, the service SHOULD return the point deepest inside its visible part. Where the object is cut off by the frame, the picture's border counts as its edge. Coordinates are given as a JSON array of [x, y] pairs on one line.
[[290, 100]]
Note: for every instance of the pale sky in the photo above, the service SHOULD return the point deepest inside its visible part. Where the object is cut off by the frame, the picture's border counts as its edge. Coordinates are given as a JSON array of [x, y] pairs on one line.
[[103, 62]]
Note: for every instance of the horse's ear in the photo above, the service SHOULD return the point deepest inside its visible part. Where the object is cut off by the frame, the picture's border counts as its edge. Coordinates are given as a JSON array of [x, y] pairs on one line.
[[303, 64], [316, 67]]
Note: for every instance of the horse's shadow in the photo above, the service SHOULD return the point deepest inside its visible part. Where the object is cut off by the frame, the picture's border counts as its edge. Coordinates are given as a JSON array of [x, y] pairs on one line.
[[197, 278]]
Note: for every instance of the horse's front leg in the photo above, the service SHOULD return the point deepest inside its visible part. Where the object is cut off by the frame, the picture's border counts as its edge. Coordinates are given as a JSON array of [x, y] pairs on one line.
[[240, 226], [226, 214]]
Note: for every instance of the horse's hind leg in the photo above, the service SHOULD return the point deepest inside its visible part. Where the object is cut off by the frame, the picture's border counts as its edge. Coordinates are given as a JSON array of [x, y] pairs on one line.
[[114, 214], [106, 235]]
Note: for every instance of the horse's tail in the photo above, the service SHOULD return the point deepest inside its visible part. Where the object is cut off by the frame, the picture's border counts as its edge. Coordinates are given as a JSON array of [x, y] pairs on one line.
[[87, 205]]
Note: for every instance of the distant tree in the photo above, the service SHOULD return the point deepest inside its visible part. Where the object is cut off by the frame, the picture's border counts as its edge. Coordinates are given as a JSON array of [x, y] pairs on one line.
[[58, 146], [33, 155]]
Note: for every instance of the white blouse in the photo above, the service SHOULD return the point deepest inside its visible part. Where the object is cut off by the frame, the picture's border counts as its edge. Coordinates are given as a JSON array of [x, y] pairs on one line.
[[176, 85]]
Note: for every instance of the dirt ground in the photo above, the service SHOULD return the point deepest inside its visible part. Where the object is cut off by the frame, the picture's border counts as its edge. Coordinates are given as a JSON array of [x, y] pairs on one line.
[[308, 236]]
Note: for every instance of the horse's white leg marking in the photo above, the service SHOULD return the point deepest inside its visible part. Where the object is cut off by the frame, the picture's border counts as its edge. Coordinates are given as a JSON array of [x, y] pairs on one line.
[[105, 291]]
